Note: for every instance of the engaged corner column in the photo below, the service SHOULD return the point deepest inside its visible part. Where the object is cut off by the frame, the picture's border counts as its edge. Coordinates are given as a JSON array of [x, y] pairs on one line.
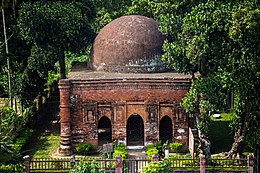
[[65, 129]]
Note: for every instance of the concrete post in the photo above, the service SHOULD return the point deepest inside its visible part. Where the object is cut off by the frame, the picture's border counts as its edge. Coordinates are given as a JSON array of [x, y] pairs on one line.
[[202, 164], [72, 161], [119, 164], [166, 152], [155, 158], [250, 163], [27, 161]]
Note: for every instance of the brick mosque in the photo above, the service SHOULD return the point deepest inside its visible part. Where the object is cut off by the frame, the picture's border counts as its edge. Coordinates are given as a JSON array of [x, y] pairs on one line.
[[124, 93]]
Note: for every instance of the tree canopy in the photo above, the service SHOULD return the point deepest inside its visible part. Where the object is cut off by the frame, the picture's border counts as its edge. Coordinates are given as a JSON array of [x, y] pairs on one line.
[[55, 23], [220, 40]]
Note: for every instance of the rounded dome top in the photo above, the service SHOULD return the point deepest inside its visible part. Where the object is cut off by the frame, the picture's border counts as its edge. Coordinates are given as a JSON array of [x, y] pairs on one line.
[[129, 44]]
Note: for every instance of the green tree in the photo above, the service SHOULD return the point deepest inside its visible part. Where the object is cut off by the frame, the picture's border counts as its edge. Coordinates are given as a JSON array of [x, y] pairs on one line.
[[221, 42], [57, 26], [197, 42], [18, 52], [109, 10], [243, 74], [32, 81], [4, 5]]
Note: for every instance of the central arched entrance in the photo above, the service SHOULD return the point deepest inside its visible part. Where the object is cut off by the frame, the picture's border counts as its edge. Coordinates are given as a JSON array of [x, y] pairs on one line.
[[104, 131], [135, 130], [165, 131]]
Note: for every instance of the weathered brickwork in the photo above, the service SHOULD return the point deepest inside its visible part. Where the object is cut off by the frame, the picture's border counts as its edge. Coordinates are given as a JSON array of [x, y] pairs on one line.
[[84, 102], [129, 44]]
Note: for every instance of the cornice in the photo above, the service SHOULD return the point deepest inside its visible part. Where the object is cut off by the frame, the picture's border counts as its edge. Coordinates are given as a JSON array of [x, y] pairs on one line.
[[137, 84], [129, 87]]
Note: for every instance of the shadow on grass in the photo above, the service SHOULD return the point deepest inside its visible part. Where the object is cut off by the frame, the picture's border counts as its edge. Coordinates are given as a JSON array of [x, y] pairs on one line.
[[42, 144], [46, 146], [221, 136]]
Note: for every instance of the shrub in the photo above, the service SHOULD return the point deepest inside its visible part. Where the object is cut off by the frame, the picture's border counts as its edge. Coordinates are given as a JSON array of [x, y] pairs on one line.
[[147, 147], [7, 154], [155, 167], [175, 146], [21, 140], [84, 148], [87, 167], [10, 168], [150, 152], [120, 149], [161, 148], [122, 153]]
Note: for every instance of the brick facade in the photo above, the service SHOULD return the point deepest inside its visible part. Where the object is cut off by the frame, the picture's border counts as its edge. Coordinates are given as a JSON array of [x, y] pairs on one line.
[[84, 102]]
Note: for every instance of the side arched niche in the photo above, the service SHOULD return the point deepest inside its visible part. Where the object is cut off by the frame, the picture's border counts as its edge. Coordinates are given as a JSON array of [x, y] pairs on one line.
[[165, 129], [104, 131]]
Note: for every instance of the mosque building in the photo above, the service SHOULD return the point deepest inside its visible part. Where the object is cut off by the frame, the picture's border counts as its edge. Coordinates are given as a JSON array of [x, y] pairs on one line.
[[125, 92]]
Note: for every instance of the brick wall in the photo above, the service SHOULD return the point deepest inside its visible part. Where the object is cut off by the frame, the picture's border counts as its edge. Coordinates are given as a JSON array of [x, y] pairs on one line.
[[151, 99]]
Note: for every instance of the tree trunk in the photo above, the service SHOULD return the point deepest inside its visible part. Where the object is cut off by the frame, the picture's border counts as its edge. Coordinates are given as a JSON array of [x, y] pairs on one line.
[[236, 150], [62, 66], [204, 143], [8, 60], [239, 136]]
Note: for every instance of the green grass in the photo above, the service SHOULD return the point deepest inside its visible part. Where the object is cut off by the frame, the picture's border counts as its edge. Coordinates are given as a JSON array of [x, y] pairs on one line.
[[46, 146], [220, 134], [44, 143]]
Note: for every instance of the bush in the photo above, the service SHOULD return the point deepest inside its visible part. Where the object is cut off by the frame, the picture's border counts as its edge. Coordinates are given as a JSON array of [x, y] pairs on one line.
[[150, 152], [161, 148], [10, 168], [155, 167], [7, 154], [175, 146], [84, 148], [120, 149], [21, 140], [147, 147], [87, 167]]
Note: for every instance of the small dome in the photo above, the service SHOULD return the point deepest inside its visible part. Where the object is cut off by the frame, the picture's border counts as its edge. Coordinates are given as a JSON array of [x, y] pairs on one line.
[[129, 44]]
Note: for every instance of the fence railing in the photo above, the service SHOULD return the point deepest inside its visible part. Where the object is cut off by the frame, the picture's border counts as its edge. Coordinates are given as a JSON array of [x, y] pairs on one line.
[[214, 164], [185, 163], [132, 165], [232, 164], [60, 165]]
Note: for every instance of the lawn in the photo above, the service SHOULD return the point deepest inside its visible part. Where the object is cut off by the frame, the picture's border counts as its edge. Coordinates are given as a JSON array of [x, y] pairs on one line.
[[46, 147], [220, 134], [44, 144]]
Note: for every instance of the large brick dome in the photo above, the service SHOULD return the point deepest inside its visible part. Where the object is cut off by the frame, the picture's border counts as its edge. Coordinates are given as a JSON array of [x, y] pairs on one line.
[[129, 44]]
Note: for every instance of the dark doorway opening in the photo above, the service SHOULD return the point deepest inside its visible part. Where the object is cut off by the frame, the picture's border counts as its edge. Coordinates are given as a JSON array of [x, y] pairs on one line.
[[104, 131], [165, 131], [135, 130]]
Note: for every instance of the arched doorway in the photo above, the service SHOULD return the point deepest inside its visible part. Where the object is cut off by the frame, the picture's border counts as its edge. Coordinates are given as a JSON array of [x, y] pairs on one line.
[[104, 131], [165, 131], [135, 130]]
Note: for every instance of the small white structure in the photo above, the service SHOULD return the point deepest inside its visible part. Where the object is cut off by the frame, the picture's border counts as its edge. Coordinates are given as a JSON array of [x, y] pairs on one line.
[[216, 116]]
